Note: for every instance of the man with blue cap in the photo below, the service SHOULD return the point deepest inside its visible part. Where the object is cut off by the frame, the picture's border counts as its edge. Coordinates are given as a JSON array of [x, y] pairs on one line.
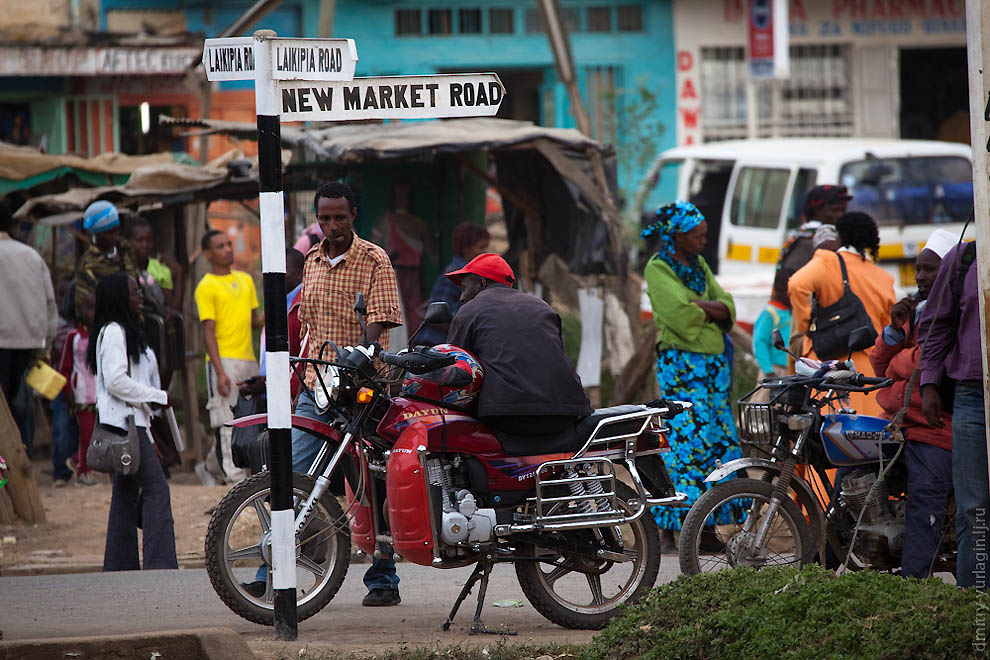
[[108, 253]]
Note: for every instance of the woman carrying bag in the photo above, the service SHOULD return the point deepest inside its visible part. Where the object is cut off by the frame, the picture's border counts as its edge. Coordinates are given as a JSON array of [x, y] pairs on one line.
[[127, 385], [825, 278]]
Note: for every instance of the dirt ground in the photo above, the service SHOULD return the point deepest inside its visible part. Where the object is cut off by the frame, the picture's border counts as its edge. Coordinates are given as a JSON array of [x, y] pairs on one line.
[[74, 536]]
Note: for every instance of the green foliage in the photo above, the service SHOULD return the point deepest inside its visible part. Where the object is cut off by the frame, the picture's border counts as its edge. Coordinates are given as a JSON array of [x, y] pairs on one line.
[[786, 614], [570, 326]]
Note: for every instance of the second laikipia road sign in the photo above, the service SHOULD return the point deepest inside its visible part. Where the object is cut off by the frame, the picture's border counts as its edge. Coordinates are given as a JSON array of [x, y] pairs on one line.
[[392, 97]]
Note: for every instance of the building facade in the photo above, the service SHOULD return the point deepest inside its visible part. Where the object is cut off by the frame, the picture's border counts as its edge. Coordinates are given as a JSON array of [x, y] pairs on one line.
[[859, 68]]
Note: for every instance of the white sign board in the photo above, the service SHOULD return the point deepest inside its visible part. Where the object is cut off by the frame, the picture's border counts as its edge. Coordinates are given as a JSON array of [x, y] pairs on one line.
[[393, 97], [313, 59], [84, 61], [231, 58]]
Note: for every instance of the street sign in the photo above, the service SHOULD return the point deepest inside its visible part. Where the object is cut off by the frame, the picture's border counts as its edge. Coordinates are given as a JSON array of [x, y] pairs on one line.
[[392, 97], [313, 59], [230, 58]]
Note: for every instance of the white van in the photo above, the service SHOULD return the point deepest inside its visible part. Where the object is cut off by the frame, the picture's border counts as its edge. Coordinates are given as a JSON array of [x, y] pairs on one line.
[[752, 192]]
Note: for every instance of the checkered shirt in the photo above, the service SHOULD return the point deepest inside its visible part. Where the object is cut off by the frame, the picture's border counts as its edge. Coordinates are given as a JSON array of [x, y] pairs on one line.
[[328, 294]]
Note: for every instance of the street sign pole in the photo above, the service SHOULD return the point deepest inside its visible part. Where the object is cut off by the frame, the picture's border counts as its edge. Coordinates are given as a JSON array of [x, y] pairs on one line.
[[276, 339]]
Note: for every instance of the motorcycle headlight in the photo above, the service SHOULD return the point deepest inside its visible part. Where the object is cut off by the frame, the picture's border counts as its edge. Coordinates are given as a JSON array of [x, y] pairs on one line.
[[324, 394]]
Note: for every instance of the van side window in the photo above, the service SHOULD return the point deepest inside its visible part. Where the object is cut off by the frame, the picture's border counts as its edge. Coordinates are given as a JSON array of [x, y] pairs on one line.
[[803, 182], [758, 197]]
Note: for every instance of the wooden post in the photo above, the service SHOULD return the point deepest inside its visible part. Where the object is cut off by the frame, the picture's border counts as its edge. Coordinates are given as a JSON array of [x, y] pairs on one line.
[[978, 51], [21, 488]]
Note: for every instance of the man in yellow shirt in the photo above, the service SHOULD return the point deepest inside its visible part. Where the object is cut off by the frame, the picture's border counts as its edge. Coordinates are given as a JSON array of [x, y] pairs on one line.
[[228, 309]]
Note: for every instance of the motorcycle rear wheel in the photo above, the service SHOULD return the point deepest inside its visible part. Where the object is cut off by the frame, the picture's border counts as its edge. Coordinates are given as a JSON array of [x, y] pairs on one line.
[[237, 544], [788, 540], [563, 601]]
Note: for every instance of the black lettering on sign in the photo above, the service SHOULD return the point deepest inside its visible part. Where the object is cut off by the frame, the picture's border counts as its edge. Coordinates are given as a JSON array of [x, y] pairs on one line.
[[324, 97], [288, 100], [249, 58], [324, 59], [494, 93], [414, 91], [304, 105], [433, 87], [228, 59], [400, 96], [468, 94], [369, 98], [455, 94], [352, 98], [385, 96], [482, 95]]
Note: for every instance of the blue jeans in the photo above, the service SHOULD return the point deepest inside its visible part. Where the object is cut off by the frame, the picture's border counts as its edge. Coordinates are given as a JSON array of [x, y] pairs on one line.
[[65, 437], [969, 478], [929, 470], [305, 447]]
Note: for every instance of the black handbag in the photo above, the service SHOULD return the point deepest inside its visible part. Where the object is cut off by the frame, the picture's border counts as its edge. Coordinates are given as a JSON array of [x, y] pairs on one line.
[[830, 326], [114, 450], [249, 444]]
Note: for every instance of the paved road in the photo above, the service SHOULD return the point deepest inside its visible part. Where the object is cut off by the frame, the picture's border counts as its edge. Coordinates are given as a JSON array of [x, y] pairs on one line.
[[115, 603]]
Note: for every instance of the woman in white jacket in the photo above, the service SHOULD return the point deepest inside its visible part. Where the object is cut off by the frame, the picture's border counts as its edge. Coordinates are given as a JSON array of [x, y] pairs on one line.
[[127, 384]]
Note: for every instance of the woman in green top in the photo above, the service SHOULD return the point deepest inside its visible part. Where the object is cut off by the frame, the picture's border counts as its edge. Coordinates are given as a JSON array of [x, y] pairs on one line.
[[692, 314]]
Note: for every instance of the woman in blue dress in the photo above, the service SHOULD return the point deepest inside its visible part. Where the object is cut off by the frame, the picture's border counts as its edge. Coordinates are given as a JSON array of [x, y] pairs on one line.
[[692, 314]]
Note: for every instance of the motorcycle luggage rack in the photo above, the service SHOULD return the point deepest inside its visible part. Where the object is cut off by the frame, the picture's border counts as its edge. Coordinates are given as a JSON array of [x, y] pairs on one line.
[[546, 506], [626, 428]]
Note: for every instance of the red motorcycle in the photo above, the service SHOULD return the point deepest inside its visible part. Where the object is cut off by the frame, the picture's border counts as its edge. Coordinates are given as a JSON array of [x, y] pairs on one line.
[[426, 477]]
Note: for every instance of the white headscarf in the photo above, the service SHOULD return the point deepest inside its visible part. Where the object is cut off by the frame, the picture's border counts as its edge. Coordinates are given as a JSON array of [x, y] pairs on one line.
[[941, 241]]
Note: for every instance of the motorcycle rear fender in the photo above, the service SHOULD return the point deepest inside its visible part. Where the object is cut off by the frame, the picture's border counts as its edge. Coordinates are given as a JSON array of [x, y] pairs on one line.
[[800, 487]]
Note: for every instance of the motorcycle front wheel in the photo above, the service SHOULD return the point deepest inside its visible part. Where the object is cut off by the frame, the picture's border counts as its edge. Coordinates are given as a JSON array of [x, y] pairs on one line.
[[238, 550], [708, 544], [584, 591]]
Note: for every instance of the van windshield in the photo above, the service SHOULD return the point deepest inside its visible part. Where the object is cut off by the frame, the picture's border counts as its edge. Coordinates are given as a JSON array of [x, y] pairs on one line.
[[910, 191]]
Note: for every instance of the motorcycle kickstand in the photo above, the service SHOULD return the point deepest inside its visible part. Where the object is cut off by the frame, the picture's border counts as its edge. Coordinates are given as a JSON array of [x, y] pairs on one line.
[[481, 572]]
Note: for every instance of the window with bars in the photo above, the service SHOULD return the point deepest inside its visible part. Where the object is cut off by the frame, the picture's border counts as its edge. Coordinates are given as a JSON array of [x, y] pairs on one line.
[[469, 21], [599, 19], [501, 21], [814, 101], [629, 18], [441, 21], [568, 17], [602, 83], [408, 22]]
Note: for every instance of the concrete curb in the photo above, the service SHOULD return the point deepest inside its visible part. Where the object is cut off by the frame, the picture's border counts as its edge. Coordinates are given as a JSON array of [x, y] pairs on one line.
[[194, 644]]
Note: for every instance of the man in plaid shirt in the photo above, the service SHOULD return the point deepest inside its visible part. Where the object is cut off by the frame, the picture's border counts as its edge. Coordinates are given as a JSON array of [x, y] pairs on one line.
[[336, 270]]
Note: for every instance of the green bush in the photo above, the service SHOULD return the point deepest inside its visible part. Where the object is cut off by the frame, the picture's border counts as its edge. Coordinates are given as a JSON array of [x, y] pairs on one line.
[[786, 614]]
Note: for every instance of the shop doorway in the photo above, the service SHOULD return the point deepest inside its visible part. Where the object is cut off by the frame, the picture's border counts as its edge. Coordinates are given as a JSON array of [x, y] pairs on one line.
[[523, 98], [934, 94]]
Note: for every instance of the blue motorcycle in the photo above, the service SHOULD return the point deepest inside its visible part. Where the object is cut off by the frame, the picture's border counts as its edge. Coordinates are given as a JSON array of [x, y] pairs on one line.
[[779, 504]]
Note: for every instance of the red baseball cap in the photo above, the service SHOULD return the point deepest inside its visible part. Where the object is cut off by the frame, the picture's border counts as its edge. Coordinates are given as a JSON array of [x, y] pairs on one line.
[[489, 266]]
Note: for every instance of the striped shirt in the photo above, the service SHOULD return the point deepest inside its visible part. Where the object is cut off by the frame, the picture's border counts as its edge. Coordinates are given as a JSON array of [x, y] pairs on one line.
[[329, 291]]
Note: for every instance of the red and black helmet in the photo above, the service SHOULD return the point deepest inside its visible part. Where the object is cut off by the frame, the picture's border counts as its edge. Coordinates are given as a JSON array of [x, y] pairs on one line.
[[456, 385]]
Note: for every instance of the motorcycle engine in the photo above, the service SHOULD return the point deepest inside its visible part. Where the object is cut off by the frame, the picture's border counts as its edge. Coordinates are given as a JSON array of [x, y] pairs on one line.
[[462, 522], [881, 531]]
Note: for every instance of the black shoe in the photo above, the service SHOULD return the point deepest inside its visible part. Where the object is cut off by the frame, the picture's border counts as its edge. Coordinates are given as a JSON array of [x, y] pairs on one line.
[[256, 588], [381, 598]]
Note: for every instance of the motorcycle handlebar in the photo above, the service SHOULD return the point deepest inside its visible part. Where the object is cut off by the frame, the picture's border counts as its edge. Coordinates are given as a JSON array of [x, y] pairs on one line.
[[860, 383]]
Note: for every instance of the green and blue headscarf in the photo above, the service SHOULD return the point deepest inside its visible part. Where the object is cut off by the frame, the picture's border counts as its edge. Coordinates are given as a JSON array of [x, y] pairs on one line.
[[673, 219]]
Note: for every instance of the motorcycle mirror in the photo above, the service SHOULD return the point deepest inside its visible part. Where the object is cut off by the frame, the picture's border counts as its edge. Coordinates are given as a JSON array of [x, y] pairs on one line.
[[361, 310], [778, 340], [438, 313], [861, 339]]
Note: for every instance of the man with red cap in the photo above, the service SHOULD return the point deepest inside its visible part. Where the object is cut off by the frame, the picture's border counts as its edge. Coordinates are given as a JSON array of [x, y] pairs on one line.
[[530, 386]]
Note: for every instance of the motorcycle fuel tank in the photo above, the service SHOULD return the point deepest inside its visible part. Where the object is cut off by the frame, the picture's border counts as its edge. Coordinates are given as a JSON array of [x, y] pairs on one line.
[[408, 505], [447, 430], [856, 439]]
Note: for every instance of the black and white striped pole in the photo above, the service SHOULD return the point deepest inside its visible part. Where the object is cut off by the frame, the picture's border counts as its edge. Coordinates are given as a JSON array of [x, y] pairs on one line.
[[283, 565]]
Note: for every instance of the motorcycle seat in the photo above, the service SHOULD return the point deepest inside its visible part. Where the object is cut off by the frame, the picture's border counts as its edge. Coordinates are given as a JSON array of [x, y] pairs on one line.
[[572, 439]]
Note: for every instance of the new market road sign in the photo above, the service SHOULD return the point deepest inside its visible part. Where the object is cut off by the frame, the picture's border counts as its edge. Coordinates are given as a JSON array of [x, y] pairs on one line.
[[392, 97], [232, 58]]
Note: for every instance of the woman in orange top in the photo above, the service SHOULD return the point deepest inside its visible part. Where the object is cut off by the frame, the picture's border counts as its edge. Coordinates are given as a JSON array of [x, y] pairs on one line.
[[822, 276]]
